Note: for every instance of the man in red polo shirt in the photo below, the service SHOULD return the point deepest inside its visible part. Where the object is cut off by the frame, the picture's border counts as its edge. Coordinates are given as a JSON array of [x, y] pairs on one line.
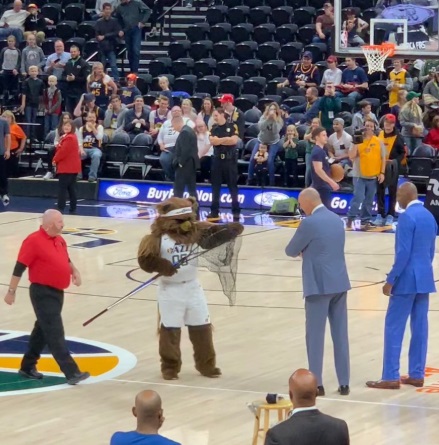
[[44, 252]]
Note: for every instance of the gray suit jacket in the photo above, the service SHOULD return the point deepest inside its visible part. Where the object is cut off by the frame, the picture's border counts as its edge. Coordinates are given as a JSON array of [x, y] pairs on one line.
[[320, 239]]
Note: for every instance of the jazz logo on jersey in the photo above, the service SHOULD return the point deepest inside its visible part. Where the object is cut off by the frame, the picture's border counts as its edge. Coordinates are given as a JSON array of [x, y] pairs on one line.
[[101, 360]]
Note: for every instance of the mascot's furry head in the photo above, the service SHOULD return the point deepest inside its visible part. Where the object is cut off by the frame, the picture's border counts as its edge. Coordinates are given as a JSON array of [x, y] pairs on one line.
[[177, 218]]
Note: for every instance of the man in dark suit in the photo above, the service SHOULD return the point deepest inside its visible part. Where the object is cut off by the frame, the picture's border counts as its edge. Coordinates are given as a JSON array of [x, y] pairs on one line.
[[186, 162], [409, 285], [306, 424], [320, 241]]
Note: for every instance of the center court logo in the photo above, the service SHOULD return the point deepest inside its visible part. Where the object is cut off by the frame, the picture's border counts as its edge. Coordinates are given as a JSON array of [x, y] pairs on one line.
[[101, 360], [122, 191], [267, 199]]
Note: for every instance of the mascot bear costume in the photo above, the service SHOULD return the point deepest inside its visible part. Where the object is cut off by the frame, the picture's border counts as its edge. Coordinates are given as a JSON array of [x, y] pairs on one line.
[[181, 300]]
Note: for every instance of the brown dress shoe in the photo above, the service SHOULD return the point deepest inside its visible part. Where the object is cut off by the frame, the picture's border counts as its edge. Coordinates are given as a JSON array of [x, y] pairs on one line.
[[383, 384], [407, 380]]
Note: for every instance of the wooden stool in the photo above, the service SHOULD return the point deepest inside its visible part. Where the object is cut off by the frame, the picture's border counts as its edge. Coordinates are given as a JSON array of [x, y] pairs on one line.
[[283, 407]]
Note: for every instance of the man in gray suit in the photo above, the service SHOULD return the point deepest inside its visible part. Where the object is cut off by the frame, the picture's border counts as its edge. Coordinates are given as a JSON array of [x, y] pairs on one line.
[[320, 241]]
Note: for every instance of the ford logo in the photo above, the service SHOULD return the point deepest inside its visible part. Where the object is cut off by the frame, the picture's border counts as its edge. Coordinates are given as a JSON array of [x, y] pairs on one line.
[[267, 199], [122, 191]]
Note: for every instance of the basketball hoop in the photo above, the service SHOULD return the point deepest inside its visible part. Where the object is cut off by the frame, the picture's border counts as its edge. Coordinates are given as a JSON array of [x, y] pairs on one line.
[[377, 54]]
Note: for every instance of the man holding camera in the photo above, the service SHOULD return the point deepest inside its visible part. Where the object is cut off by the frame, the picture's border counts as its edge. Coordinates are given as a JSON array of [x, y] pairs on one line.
[[368, 155]]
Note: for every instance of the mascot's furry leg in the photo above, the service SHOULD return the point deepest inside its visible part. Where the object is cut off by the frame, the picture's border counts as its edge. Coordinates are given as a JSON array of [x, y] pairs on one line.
[[204, 351], [169, 350]]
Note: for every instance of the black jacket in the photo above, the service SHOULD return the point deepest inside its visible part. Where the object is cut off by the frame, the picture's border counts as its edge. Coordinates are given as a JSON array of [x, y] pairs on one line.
[[309, 428], [186, 147], [80, 69], [131, 13], [109, 29]]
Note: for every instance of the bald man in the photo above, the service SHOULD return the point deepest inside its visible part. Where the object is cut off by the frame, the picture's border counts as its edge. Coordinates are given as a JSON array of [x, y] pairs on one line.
[[320, 241], [149, 414], [408, 285], [307, 425], [44, 253]]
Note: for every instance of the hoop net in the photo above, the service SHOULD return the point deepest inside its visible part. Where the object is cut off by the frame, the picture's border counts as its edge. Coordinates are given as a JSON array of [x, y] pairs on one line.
[[377, 54]]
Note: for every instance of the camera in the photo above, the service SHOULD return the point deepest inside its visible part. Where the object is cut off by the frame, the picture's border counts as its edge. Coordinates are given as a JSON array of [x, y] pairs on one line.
[[358, 137]]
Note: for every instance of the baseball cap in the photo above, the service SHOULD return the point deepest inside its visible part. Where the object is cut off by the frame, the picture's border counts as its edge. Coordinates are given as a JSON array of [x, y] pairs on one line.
[[89, 97], [284, 107], [390, 118], [307, 55], [32, 5], [331, 59], [350, 11], [132, 77], [227, 99], [412, 95]]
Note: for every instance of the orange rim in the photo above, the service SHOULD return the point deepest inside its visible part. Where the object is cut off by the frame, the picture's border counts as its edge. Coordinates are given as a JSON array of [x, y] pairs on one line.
[[385, 47]]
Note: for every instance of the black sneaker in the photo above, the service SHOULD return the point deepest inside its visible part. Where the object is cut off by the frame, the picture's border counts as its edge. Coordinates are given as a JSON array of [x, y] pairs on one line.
[[344, 390], [211, 216], [31, 374], [320, 391], [78, 378]]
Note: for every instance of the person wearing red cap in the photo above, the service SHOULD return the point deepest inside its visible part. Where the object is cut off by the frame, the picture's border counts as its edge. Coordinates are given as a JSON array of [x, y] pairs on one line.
[[130, 91], [395, 149], [332, 74]]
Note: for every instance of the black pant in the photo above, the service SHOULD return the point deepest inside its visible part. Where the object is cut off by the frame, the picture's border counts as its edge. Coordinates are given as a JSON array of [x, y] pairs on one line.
[[3, 176], [224, 170], [291, 171], [261, 171], [12, 165], [48, 330], [67, 183], [71, 100], [325, 196], [381, 193], [9, 82], [205, 164], [186, 176], [50, 156]]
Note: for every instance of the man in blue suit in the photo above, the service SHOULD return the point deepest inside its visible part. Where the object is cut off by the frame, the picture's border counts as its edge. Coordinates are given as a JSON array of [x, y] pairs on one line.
[[408, 285], [320, 241]]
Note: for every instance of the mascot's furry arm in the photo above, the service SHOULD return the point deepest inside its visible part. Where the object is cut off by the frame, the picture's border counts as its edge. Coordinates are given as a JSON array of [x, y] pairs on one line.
[[149, 258], [213, 235]]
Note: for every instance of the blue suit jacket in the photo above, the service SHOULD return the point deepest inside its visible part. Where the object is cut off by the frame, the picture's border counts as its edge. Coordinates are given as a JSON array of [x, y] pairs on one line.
[[412, 272], [320, 239]]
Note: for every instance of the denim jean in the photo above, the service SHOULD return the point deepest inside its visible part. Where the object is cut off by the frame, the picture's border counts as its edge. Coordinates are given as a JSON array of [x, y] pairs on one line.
[[95, 155], [133, 41], [50, 123], [16, 32], [353, 97], [364, 193], [30, 116], [272, 153], [412, 143], [110, 57], [166, 161], [308, 164]]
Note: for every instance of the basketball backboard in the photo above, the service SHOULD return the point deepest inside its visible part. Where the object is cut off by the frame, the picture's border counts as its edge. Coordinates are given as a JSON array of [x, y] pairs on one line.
[[411, 26]]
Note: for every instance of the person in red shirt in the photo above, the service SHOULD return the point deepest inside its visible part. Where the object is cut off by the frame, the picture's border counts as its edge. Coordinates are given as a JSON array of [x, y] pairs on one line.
[[68, 164], [432, 137], [44, 253]]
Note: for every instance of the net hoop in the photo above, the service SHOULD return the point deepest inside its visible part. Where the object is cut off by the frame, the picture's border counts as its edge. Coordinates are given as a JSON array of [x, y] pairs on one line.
[[377, 54]]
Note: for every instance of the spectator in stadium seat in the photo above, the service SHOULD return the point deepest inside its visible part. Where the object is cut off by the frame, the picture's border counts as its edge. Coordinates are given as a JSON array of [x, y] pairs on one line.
[[100, 85], [270, 127], [428, 69], [364, 114], [310, 108], [18, 142], [90, 138], [99, 9], [402, 100], [315, 123], [302, 76], [75, 75], [130, 91], [432, 137], [13, 20], [235, 116], [329, 106], [57, 61], [354, 81], [32, 55], [399, 79], [207, 108], [10, 62], [133, 16], [87, 103], [136, 120], [339, 143], [165, 90], [291, 154], [410, 118], [205, 149], [159, 116], [333, 73], [324, 24], [430, 94], [35, 24], [188, 110], [354, 26], [114, 117], [108, 30]]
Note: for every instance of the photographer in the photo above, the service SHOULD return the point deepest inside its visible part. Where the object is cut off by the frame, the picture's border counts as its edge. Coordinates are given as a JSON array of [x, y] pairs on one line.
[[368, 155], [329, 106]]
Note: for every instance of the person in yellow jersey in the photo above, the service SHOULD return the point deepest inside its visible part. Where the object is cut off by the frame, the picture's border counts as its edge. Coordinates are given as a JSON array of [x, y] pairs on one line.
[[399, 79], [369, 165], [395, 150]]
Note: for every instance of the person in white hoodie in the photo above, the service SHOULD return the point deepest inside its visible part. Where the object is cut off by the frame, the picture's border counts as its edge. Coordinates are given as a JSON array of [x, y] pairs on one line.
[[332, 74]]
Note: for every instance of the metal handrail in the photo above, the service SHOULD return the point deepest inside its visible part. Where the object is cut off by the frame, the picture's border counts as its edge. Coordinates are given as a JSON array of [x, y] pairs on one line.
[[168, 11]]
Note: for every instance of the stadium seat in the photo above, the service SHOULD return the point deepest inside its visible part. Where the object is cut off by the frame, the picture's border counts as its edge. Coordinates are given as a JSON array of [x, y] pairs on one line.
[[209, 85], [365, 4], [346, 104], [241, 32], [318, 51], [201, 50], [232, 3], [273, 68], [245, 158], [52, 11], [151, 97], [185, 83], [179, 49], [322, 66], [286, 33], [77, 41], [74, 12], [291, 52], [306, 33], [197, 100], [253, 3], [369, 14], [116, 154], [424, 150], [268, 51], [204, 67], [155, 81], [276, 3], [317, 4], [231, 85], [347, 117], [294, 101], [182, 67], [91, 47], [255, 85], [238, 15], [264, 33], [143, 82], [66, 29], [378, 90], [259, 15], [48, 46], [282, 16], [161, 65], [304, 16], [252, 116], [219, 32], [252, 131], [227, 67], [216, 14], [246, 50], [420, 168], [357, 11], [375, 104], [266, 100], [223, 50], [86, 30], [272, 85], [197, 32], [136, 157], [249, 68]]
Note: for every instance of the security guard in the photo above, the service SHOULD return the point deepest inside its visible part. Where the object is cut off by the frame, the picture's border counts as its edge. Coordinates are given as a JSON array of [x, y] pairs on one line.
[[223, 137]]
